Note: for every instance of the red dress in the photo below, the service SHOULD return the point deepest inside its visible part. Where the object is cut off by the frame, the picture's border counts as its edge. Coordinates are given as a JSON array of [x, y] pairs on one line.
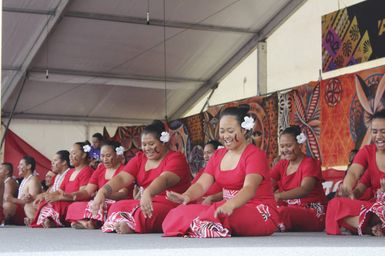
[[341, 208], [301, 214], [82, 210], [129, 211], [57, 211], [213, 189], [257, 217]]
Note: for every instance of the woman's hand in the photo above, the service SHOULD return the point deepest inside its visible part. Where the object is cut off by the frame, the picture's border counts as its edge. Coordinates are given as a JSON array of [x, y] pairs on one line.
[[208, 200], [177, 198], [226, 209], [52, 197], [27, 198], [346, 192], [146, 204], [382, 183], [38, 199], [277, 196], [97, 204]]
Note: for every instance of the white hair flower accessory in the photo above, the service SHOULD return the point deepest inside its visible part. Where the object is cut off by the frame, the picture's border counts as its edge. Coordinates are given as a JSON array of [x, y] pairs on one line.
[[86, 148], [164, 137], [301, 138], [220, 147], [248, 124], [119, 150]]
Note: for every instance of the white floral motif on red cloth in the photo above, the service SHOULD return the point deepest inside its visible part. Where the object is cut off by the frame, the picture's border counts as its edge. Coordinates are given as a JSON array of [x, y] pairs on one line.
[[293, 201], [116, 217], [102, 213], [264, 211], [319, 208], [47, 212], [229, 194], [378, 209], [207, 229]]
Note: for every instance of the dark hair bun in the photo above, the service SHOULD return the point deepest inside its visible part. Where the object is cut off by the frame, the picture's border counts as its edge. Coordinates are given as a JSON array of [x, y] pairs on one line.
[[156, 128], [294, 130], [244, 108], [238, 112]]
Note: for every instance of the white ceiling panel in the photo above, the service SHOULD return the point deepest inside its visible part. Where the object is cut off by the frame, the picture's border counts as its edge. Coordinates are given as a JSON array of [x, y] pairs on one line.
[[105, 63]]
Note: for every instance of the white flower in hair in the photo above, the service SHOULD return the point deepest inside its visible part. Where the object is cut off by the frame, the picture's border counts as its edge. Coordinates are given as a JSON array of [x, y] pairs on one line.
[[164, 137], [220, 147], [248, 124], [301, 138], [86, 148], [119, 150]]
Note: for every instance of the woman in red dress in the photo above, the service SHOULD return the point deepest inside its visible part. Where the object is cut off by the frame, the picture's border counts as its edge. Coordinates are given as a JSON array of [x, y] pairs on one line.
[[300, 197], [248, 207], [79, 213], [52, 209], [214, 193], [368, 168], [154, 170]]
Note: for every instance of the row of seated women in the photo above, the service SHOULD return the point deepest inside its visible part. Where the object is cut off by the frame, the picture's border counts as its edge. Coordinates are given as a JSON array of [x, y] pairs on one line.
[[235, 195]]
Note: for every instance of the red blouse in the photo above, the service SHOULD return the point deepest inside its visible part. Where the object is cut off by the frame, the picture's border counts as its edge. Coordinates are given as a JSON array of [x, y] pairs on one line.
[[98, 178], [252, 161], [174, 162], [366, 157], [308, 167], [81, 180], [213, 189]]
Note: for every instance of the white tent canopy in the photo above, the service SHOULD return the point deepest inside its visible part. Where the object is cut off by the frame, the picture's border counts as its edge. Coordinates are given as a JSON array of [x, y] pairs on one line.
[[106, 64]]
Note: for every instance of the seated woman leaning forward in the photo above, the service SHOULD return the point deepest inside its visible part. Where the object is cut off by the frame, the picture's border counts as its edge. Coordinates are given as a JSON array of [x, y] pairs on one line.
[[300, 197], [79, 213], [368, 168], [52, 208], [248, 207], [155, 169], [214, 193]]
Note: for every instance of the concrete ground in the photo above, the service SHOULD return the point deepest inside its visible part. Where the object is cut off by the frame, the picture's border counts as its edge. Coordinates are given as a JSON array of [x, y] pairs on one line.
[[66, 241]]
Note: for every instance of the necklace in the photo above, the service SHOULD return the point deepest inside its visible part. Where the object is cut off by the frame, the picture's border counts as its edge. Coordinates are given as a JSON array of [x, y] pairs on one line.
[[59, 180], [22, 185]]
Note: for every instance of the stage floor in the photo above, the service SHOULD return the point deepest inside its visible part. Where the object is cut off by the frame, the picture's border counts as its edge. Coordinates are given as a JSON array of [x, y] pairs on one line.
[[66, 241]]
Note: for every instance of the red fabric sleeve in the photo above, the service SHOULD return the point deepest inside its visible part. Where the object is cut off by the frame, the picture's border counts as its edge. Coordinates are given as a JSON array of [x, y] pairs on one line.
[[213, 163], [95, 176], [66, 179], [177, 164], [133, 166], [365, 179], [198, 175], [84, 176], [275, 172], [256, 162], [362, 157], [311, 168]]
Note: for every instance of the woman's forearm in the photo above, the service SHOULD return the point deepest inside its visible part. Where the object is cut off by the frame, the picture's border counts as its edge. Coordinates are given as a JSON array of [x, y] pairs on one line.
[[244, 195], [295, 193], [194, 192]]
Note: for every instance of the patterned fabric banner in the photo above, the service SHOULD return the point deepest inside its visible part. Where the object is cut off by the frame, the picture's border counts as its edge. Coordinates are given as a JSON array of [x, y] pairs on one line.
[[347, 104], [301, 107], [353, 35], [334, 114]]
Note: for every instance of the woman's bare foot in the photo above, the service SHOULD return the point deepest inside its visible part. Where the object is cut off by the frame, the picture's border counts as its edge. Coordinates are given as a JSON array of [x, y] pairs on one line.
[[377, 230], [86, 224], [48, 224], [123, 228], [77, 225], [27, 221]]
